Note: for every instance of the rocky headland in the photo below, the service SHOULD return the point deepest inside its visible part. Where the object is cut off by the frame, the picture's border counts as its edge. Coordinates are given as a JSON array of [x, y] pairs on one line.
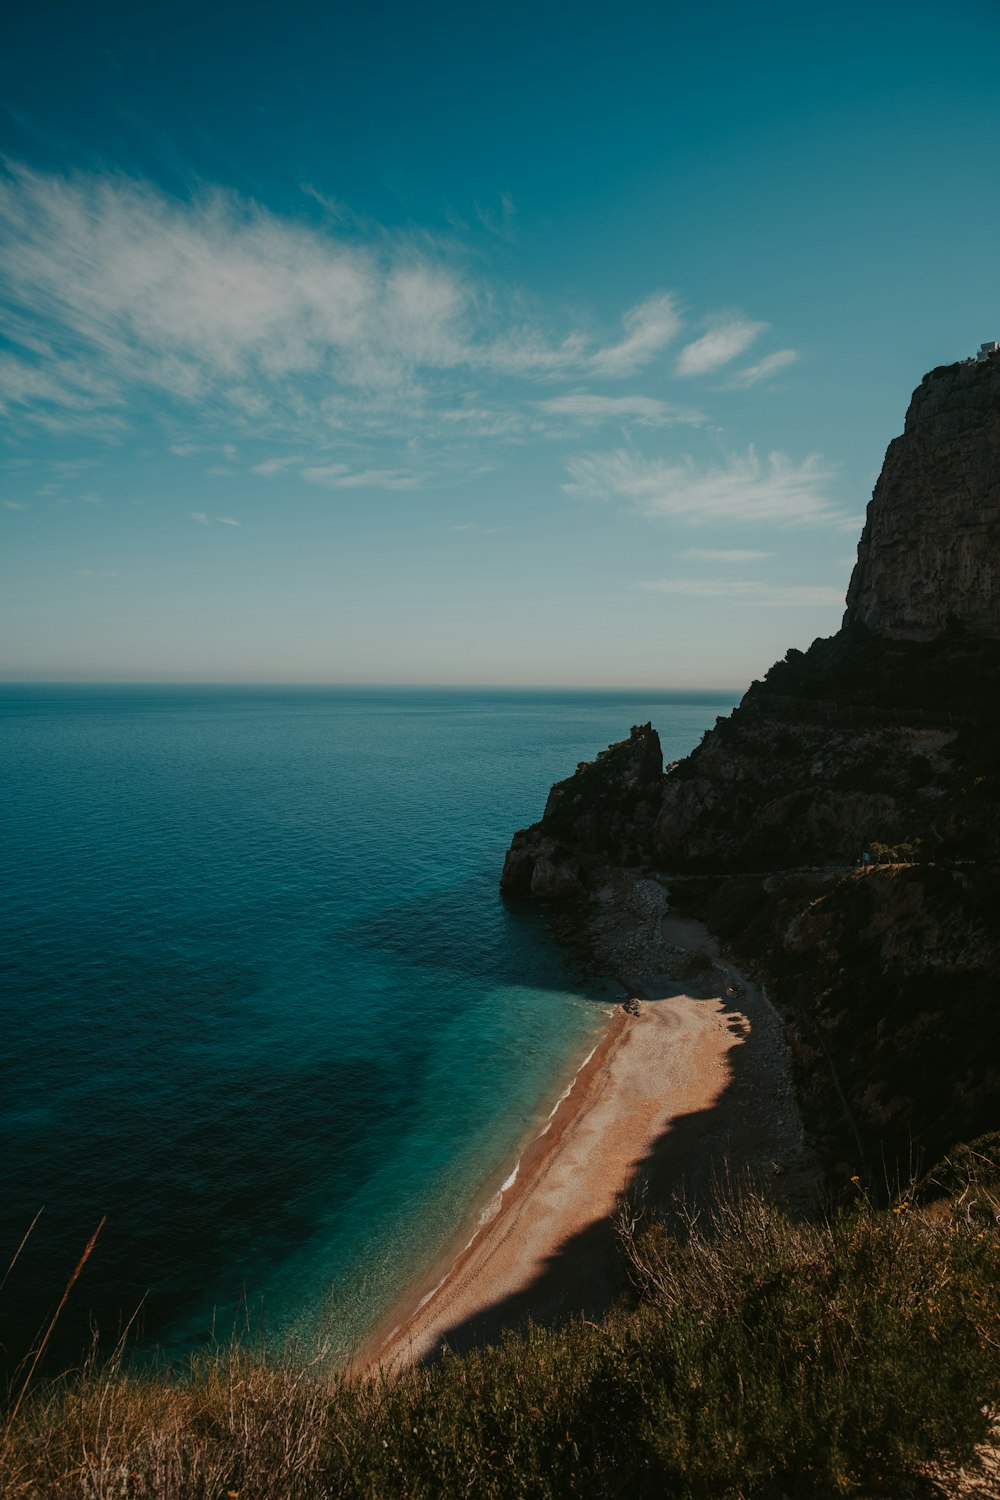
[[840, 830]]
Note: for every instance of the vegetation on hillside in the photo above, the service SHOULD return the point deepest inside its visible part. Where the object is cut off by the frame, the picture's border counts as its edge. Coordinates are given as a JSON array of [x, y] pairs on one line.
[[757, 1357]]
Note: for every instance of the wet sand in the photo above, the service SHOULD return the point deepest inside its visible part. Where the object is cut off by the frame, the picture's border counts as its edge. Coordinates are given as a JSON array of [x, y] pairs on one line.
[[695, 1084]]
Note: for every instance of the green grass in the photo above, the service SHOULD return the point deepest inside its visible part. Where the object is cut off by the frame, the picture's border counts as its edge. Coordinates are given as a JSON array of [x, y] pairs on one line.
[[757, 1358]]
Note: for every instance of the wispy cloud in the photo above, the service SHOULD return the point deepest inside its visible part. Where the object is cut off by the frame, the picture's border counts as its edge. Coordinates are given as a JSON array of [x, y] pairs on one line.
[[724, 554], [499, 220], [16, 505], [489, 422], [747, 489], [114, 289], [773, 596], [768, 366], [204, 299], [527, 351], [717, 347], [649, 327], [271, 466], [204, 519], [342, 477], [61, 394], [647, 411]]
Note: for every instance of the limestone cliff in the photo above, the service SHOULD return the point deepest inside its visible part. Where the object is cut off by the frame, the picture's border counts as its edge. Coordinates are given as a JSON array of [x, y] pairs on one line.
[[883, 739], [929, 556]]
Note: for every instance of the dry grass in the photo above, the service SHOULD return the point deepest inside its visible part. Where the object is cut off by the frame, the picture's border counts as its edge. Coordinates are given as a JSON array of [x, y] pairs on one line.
[[759, 1357]]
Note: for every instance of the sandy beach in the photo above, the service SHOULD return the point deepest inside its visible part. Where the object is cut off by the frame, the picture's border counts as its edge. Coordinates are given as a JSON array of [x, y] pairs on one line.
[[698, 1079]]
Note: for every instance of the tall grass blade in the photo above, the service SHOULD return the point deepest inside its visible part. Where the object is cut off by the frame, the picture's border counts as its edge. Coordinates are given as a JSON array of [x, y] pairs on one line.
[[17, 1252], [48, 1332]]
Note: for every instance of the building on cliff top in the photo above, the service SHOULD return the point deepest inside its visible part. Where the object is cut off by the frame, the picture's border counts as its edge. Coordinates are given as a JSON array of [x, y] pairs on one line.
[[986, 351]]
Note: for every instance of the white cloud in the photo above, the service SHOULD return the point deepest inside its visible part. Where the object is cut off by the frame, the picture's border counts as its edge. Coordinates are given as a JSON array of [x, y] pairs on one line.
[[225, 320], [200, 516], [194, 297], [591, 409], [718, 346], [16, 505], [775, 596], [60, 394], [747, 489], [342, 477], [227, 521], [724, 554], [114, 289], [649, 327], [526, 351], [768, 366], [483, 421], [271, 466]]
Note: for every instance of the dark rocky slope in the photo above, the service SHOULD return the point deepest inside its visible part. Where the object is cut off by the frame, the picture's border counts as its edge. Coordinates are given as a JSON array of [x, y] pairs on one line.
[[883, 739]]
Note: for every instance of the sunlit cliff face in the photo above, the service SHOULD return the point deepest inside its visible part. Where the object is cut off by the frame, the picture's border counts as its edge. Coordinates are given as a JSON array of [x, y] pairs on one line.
[[929, 556]]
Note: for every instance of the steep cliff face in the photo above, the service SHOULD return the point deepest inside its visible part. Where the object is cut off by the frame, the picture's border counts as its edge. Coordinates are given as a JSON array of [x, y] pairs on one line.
[[929, 556], [883, 739]]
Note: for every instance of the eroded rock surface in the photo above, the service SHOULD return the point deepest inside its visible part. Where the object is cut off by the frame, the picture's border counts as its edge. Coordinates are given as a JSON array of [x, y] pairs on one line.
[[929, 556]]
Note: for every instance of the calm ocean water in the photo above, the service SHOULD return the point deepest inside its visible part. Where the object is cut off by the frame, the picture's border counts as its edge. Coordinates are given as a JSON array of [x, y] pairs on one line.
[[263, 1005]]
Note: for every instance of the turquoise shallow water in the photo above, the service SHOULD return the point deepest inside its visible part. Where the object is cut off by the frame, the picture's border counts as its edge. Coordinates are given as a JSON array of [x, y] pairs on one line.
[[263, 1005]]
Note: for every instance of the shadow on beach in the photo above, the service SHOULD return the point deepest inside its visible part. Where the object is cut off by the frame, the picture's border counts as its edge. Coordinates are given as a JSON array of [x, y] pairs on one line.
[[746, 1130]]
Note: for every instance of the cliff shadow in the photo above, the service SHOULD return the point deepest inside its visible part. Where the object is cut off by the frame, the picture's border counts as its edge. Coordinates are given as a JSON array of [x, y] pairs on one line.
[[750, 1128]]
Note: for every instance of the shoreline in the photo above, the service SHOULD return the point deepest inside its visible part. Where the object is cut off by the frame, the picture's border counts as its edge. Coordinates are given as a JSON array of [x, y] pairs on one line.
[[380, 1346], [692, 1086]]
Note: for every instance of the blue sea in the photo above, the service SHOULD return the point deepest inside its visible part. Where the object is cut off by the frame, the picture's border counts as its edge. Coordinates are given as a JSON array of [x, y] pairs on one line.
[[264, 1008]]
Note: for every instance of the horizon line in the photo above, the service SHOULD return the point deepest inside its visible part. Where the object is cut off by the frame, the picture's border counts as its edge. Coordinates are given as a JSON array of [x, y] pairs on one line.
[[263, 682]]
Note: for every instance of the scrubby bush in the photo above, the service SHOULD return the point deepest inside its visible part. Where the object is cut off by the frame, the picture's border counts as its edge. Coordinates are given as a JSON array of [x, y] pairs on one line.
[[758, 1357]]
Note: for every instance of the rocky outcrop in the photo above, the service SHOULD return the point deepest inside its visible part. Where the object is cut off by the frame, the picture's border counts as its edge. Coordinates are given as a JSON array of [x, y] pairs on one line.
[[882, 740], [929, 557], [603, 814]]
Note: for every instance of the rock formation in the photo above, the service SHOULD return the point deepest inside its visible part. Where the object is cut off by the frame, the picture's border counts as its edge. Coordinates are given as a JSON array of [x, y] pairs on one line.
[[929, 556], [882, 740], [604, 812]]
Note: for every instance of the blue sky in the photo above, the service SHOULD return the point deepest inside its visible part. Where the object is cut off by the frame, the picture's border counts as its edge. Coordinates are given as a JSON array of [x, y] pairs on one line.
[[537, 344]]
